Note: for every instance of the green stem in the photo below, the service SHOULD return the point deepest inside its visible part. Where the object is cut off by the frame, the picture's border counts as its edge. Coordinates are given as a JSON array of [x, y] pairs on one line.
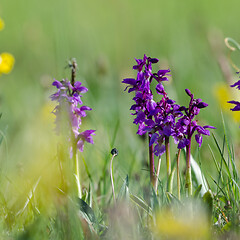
[[111, 176], [178, 174], [76, 172], [168, 160], [157, 175], [170, 181], [188, 173]]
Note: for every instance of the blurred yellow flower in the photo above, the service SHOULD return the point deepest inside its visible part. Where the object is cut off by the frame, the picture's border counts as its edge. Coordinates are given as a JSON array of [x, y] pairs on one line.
[[2, 24], [6, 62], [46, 114], [171, 224], [224, 93]]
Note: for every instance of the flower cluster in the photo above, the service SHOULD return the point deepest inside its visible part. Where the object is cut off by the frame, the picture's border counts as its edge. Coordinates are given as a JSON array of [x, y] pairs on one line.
[[237, 104], [186, 126], [156, 118], [164, 118], [69, 101]]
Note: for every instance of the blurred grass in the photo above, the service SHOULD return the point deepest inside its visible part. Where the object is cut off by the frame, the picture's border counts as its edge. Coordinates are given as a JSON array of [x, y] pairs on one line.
[[105, 36]]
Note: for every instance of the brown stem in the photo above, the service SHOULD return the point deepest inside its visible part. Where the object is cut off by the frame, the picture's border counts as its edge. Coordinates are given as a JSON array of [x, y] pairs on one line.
[[151, 163], [74, 68]]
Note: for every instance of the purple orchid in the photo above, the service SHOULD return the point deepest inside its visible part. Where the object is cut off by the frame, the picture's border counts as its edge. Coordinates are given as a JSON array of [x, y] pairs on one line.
[[69, 101], [186, 126], [83, 137], [151, 117], [185, 129]]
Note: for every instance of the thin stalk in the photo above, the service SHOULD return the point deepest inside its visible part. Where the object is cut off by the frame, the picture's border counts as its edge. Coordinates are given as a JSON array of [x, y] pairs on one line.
[[170, 181], [74, 68], [157, 175], [188, 173], [74, 148], [151, 163], [178, 174], [168, 160], [111, 176], [76, 172]]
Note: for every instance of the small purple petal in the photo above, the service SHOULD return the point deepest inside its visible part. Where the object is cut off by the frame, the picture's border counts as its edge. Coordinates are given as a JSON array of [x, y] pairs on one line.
[[153, 60], [159, 150], [149, 122], [236, 84], [87, 135], [141, 129], [188, 92], [198, 138], [170, 101], [80, 145], [237, 107], [159, 88], [56, 95], [57, 84], [77, 84], [153, 139], [207, 126], [140, 118], [202, 105], [130, 81], [183, 143], [151, 105], [202, 130], [81, 111]]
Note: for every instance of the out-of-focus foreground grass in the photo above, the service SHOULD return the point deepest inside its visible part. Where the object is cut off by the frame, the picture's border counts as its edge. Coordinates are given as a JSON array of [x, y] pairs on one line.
[[105, 36]]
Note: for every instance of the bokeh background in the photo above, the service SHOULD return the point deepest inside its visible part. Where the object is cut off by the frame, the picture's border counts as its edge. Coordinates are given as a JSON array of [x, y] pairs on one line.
[[105, 36]]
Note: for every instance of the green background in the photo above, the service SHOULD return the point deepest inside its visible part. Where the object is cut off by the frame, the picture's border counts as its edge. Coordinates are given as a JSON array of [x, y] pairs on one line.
[[105, 36]]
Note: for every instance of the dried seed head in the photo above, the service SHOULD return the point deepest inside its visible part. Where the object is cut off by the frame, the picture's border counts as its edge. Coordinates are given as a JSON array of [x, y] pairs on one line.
[[114, 151]]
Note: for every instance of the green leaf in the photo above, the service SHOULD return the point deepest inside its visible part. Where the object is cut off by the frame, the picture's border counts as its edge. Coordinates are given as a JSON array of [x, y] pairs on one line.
[[222, 159], [87, 170], [235, 173], [208, 201], [87, 210], [154, 200], [197, 191], [172, 198], [141, 203], [226, 227], [198, 175]]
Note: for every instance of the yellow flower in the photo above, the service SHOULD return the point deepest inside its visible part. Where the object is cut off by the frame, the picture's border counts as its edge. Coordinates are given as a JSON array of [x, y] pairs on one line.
[[185, 225], [2, 24], [6, 63], [46, 114], [224, 93]]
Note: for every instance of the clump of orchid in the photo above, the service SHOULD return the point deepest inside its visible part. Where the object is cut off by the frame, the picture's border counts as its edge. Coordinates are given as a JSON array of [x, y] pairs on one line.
[[164, 119], [186, 127], [69, 113]]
